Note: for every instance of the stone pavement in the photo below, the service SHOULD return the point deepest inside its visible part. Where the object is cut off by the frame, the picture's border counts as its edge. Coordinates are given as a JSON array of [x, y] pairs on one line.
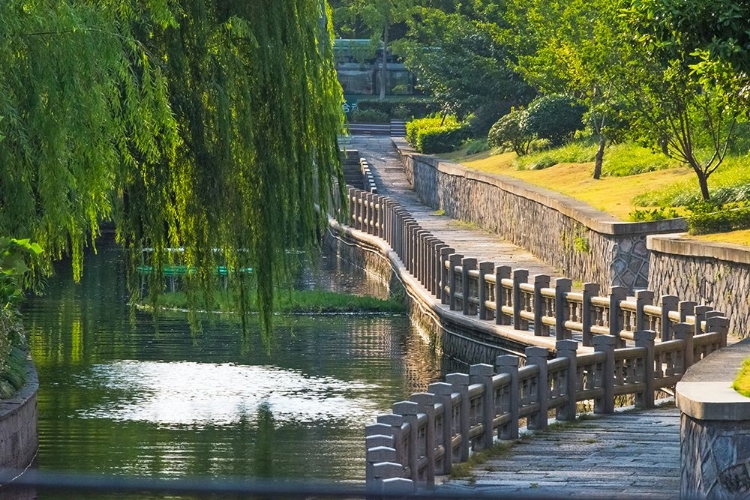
[[625, 455], [469, 241], [633, 454]]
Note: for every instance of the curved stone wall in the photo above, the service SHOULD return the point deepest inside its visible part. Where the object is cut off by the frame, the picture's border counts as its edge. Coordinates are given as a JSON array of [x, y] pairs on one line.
[[706, 273], [715, 427], [18, 431], [581, 242]]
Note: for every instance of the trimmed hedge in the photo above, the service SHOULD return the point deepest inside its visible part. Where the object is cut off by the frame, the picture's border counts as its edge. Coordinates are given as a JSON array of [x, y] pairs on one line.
[[435, 135]]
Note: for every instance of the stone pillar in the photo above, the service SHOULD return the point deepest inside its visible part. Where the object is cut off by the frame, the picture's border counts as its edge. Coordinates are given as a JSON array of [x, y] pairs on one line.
[[589, 290], [467, 265], [409, 410], [540, 281], [484, 269], [519, 276], [568, 349], [454, 260], [509, 364], [668, 304], [444, 395], [538, 356], [482, 374], [642, 298], [426, 402], [562, 313], [645, 339], [606, 344], [616, 295], [460, 383], [443, 294], [501, 273]]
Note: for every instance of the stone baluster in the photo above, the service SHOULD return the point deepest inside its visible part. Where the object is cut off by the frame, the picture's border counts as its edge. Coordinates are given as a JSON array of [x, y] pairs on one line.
[[540, 281], [519, 276], [645, 338], [379, 454], [484, 269], [395, 422], [444, 395], [538, 356], [426, 405], [562, 312], [686, 309], [467, 265], [606, 344], [460, 383], [444, 294], [589, 290], [616, 295], [700, 315], [509, 364], [409, 410], [454, 260], [482, 374], [568, 349], [501, 273], [642, 298], [668, 304], [717, 322], [439, 258], [685, 332]]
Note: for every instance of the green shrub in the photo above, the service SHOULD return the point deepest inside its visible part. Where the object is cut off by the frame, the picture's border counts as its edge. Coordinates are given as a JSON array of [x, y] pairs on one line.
[[474, 146], [443, 139], [508, 132], [661, 213], [554, 117], [710, 218], [368, 116]]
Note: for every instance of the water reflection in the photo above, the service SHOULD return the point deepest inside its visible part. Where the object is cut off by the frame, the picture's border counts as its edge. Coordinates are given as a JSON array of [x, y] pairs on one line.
[[122, 397]]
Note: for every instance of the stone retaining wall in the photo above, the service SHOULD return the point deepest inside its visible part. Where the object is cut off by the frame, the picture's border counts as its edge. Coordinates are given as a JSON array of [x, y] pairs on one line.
[[581, 242], [714, 428], [18, 431], [706, 273]]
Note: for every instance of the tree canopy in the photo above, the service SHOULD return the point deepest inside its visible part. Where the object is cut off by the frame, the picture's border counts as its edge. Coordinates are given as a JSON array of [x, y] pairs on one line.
[[200, 124]]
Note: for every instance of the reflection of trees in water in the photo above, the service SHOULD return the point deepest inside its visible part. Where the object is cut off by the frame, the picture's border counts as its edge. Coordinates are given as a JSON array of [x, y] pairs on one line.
[[263, 458]]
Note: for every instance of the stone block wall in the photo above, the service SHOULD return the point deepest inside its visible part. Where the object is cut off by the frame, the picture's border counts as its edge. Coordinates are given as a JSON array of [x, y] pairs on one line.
[[18, 430], [706, 273], [583, 243]]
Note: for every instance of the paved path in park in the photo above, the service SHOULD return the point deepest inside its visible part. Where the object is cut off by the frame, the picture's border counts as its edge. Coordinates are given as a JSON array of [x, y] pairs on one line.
[[634, 454], [469, 241], [625, 455]]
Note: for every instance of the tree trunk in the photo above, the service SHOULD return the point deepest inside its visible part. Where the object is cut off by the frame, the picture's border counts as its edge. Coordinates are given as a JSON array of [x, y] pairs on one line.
[[599, 157], [384, 67], [703, 183]]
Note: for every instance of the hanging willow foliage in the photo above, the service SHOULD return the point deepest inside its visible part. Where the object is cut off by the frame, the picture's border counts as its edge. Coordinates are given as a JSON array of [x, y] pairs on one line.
[[205, 125]]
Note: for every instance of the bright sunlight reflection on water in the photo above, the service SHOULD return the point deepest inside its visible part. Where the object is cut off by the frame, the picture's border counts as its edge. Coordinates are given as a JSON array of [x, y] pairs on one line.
[[199, 394]]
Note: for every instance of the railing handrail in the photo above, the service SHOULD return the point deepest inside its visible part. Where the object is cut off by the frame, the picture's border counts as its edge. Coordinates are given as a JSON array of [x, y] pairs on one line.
[[668, 338]]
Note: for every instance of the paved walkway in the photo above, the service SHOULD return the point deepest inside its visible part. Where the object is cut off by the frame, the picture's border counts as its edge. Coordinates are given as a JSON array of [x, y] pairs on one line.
[[628, 454], [470, 241]]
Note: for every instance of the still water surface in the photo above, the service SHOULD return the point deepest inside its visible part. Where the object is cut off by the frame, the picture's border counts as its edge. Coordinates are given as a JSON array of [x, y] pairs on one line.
[[123, 397]]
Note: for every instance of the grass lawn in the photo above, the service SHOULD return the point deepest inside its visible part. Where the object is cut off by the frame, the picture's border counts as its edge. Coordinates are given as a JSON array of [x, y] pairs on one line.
[[615, 193], [742, 382]]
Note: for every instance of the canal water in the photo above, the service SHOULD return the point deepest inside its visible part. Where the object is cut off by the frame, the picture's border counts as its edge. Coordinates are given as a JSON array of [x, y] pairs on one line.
[[123, 396]]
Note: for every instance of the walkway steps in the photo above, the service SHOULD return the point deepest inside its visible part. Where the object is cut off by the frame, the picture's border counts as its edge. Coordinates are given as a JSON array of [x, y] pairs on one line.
[[622, 455]]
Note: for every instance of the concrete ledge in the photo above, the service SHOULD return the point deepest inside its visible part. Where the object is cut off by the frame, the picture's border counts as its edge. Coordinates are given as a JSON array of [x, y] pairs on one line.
[[705, 392], [680, 244], [595, 220], [18, 425]]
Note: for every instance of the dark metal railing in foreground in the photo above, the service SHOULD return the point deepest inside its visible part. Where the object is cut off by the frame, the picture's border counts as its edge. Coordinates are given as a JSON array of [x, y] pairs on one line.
[[639, 348]]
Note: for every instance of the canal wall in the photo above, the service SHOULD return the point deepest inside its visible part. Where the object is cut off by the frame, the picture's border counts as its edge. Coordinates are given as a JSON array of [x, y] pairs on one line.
[[460, 339], [18, 425], [717, 275], [582, 242]]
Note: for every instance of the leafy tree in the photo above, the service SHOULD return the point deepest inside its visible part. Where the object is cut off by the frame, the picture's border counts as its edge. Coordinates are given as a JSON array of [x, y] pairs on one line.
[[457, 57], [553, 117], [205, 124], [509, 131]]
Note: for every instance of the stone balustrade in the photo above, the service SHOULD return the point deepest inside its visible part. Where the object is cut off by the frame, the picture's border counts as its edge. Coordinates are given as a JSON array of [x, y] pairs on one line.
[[368, 179]]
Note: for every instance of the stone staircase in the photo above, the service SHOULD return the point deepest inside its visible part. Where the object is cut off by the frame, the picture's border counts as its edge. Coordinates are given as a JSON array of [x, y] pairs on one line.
[[352, 169]]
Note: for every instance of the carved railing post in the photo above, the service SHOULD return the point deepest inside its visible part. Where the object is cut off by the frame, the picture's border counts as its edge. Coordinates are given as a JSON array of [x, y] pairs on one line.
[[700, 315], [668, 304], [606, 344], [508, 363], [562, 313], [616, 295], [484, 269], [642, 298], [717, 322], [443, 294], [519, 276], [589, 290], [686, 309], [409, 410], [395, 422], [437, 273], [684, 331], [501, 273], [467, 265], [540, 281], [645, 338], [444, 395], [482, 374], [454, 261], [538, 356], [426, 402], [460, 383], [568, 349]]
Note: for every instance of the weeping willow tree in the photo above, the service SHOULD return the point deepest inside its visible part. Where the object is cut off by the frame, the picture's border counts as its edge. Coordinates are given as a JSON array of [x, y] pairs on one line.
[[205, 125]]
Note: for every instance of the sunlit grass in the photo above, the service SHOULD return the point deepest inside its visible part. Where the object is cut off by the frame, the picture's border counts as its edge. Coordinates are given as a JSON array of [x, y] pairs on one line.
[[742, 382]]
